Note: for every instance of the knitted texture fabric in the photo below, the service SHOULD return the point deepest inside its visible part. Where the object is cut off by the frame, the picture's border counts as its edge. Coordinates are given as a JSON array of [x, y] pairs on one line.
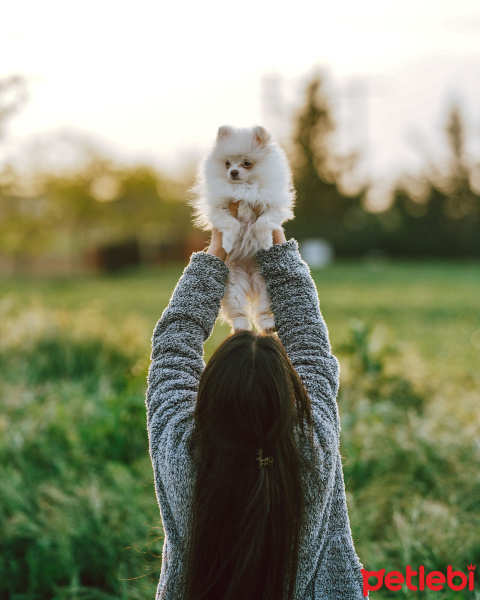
[[329, 568]]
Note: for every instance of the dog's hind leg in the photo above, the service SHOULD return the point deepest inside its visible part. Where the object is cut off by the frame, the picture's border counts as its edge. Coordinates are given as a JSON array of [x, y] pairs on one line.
[[260, 303], [234, 303]]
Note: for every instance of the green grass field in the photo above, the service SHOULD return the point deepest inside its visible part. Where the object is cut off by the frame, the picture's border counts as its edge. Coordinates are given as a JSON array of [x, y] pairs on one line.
[[78, 515]]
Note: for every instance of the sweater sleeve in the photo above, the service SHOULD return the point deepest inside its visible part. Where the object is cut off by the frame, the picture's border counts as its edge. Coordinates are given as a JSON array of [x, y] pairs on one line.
[[177, 347], [301, 328]]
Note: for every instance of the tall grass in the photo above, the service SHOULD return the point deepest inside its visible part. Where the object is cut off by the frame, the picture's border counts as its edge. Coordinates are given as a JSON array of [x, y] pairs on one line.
[[77, 506], [78, 515], [411, 466]]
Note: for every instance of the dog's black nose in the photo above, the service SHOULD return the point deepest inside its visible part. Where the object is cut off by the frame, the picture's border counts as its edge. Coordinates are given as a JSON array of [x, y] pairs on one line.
[[233, 173]]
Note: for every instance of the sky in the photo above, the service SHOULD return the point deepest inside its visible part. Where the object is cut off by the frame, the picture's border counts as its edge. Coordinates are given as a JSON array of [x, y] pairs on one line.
[[152, 81]]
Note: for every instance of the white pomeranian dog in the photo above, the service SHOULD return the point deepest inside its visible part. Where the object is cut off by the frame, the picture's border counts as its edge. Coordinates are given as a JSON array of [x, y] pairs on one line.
[[247, 167]]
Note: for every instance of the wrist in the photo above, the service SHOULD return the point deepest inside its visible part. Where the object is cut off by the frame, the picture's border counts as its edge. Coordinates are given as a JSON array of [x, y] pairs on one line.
[[218, 252]]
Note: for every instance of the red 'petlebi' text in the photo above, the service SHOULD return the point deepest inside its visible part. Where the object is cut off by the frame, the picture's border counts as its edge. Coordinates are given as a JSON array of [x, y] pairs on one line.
[[418, 580]]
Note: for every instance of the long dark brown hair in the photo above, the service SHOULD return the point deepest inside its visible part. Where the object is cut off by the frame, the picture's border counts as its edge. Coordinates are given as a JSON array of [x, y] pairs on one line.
[[246, 519]]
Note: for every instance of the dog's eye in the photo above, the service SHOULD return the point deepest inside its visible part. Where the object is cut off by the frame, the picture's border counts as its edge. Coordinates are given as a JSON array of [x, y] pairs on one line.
[[227, 164], [247, 164]]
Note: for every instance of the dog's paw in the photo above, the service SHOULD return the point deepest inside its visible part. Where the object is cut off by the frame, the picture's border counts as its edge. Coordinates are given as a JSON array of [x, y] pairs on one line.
[[230, 236], [228, 241], [264, 238]]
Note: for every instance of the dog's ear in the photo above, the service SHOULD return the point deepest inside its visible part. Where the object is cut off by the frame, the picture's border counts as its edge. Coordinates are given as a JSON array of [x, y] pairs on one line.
[[261, 136], [224, 132]]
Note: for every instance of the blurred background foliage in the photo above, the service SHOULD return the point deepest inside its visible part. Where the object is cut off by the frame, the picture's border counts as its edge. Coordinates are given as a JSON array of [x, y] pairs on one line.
[[436, 214], [72, 216]]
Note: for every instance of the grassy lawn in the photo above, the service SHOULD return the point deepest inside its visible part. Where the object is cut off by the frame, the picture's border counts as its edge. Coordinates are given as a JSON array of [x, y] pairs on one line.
[[78, 516], [433, 306]]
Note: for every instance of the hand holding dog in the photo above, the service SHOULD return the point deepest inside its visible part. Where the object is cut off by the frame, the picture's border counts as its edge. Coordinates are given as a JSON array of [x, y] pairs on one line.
[[216, 243]]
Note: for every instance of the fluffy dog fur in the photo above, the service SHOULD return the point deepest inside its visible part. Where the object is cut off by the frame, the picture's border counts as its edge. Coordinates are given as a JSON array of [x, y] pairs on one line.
[[245, 166]]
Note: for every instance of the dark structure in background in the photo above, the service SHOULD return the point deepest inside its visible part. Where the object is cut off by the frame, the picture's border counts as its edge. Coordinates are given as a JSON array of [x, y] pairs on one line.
[[116, 257]]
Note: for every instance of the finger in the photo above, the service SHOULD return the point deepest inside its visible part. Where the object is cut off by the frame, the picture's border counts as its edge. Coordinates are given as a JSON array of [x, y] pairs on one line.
[[279, 236], [257, 210], [216, 236]]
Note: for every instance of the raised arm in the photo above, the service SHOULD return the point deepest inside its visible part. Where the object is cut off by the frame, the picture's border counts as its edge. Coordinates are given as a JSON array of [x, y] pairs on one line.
[[177, 345], [300, 326]]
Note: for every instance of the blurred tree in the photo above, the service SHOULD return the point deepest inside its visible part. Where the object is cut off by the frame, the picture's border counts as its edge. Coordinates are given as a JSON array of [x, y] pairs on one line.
[[24, 229], [106, 203], [13, 94], [18, 222], [460, 204], [444, 221], [89, 202], [321, 208], [436, 214]]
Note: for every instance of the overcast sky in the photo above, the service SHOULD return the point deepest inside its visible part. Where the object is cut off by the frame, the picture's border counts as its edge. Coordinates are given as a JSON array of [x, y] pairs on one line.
[[154, 80]]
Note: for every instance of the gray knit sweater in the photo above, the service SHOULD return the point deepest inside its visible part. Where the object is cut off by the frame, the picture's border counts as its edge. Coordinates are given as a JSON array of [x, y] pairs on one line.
[[328, 565]]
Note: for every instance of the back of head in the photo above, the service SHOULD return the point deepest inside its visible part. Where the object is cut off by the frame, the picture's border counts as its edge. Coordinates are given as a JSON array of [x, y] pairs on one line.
[[247, 510]]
